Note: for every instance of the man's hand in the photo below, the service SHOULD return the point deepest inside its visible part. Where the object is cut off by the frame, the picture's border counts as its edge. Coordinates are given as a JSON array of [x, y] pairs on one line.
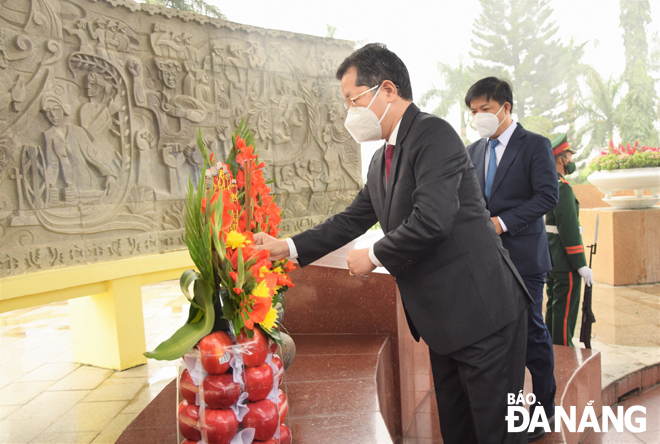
[[587, 275], [279, 249], [359, 263], [498, 226]]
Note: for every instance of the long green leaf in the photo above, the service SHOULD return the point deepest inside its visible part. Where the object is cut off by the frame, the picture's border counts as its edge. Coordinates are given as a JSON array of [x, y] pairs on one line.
[[187, 336], [187, 278]]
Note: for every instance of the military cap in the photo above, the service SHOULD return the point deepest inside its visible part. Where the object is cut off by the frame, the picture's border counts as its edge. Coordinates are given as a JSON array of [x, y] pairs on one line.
[[560, 144]]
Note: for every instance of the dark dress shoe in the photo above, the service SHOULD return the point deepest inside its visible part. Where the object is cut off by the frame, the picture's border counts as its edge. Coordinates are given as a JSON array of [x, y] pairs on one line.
[[539, 432], [536, 435]]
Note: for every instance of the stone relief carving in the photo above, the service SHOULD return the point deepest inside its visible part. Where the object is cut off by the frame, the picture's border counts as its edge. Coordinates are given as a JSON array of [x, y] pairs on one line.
[[100, 105]]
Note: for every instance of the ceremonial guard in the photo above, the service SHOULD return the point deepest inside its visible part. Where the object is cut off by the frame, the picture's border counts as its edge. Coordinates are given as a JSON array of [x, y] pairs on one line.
[[569, 261]]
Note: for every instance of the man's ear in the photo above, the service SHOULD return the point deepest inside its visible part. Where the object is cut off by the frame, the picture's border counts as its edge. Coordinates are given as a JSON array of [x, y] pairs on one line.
[[390, 90]]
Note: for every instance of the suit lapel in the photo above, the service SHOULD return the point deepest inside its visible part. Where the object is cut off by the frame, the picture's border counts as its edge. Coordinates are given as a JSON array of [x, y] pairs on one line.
[[406, 122], [510, 153]]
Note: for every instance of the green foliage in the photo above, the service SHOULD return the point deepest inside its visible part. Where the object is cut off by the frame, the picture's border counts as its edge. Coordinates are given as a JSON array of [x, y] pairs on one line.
[[516, 39], [187, 336], [609, 162], [637, 122], [602, 111], [539, 124], [638, 107], [457, 81], [195, 6], [581, 177], [573, 71]]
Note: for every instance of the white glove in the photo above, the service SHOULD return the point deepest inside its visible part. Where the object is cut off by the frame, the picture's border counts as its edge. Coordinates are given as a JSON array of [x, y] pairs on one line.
[[587, 275]]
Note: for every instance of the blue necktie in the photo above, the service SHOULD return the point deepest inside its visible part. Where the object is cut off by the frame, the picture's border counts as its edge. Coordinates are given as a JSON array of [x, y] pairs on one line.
[[492, 166]]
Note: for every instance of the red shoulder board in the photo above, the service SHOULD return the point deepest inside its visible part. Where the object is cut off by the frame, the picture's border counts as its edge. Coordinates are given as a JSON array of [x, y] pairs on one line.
[[563, 180]]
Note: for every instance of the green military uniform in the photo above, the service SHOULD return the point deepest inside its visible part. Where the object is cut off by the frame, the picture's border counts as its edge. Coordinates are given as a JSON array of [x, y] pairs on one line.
[[563, 281]]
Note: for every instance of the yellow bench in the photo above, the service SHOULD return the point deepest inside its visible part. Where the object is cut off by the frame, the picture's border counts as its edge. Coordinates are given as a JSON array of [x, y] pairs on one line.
[[105, 303]]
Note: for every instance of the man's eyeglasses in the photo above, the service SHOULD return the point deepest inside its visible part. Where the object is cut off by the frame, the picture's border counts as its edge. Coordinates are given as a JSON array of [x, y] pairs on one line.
[[350, 103]]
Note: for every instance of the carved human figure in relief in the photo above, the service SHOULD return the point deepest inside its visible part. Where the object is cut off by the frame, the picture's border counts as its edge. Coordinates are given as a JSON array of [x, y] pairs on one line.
[[96, 116], [99, 34], [314, 178], [289, 188], [123, 40], [186, 106], [71, 156], [80, 30], [341, 158]]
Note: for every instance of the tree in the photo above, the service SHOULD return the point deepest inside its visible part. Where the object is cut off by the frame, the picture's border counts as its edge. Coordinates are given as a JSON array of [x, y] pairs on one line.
[[572, 70], [602, 110], [194, 6], [457, 81], [639, 110], [515, 39], [330, 31]]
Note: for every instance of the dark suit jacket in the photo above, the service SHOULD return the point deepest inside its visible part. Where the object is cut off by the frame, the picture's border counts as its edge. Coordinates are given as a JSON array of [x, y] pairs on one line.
[[524, 190], [456, 280]]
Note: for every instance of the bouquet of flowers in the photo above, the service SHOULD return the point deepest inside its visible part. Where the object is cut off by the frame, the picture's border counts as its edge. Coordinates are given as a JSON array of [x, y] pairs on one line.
[[230, 385], [626, 156]]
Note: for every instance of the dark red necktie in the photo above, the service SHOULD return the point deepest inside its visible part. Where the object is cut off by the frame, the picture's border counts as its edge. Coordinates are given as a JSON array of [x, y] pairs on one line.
[[389, 153]]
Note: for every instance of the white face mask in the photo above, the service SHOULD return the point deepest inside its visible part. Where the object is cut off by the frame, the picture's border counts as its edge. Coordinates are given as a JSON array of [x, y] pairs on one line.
[[363, 124], [487, 123]]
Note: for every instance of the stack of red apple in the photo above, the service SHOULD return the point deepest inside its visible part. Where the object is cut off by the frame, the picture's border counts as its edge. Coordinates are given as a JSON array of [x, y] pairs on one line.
[[229, 401]]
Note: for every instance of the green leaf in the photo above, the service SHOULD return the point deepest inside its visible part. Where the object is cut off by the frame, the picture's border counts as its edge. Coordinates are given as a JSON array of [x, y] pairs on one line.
[[187, 278], [187, 336]]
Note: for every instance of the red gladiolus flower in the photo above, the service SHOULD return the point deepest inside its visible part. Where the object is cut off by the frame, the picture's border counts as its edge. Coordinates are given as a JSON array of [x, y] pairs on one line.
[[260, 308]]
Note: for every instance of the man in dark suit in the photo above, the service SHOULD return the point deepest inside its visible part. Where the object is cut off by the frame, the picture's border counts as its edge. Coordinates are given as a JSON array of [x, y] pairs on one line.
[[517, 178], [459, 288]]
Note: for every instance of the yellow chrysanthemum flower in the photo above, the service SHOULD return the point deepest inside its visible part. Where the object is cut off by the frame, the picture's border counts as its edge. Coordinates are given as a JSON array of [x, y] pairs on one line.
[[235, 240], [261, 290], [269, 321]]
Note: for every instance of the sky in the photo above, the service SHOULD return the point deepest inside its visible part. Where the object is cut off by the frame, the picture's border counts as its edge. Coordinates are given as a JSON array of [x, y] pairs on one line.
[[424, 32]]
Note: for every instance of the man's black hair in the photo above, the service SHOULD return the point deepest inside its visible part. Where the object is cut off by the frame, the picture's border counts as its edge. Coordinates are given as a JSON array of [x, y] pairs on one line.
[[374, 64], [490, 88]]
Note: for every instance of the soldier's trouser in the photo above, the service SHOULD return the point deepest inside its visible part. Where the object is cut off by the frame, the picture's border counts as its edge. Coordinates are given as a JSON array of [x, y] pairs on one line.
[[563, 290]]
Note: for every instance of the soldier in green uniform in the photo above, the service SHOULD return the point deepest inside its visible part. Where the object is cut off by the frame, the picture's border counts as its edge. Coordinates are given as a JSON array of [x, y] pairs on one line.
[[569, 262]]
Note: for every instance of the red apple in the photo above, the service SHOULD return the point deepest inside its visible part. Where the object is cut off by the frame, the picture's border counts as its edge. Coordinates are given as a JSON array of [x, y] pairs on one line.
[[258, 382], [188, 388], [278, 362], [285, 434], [285, 437], [220, 391], [215, 351], [280, 369], [188, 415], [262, 416], [255, 349], [221, 426], [282, 405]]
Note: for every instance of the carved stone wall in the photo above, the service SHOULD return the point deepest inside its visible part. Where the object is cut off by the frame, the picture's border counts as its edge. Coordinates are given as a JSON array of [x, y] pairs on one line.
[[100, 102]]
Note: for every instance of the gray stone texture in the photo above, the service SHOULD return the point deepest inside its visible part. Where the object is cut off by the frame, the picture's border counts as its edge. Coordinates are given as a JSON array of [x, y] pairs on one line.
[[100, 103]]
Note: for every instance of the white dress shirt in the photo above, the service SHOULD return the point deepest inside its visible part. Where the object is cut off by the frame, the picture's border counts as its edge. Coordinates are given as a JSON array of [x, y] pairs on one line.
[[499, 152], [293, 252]]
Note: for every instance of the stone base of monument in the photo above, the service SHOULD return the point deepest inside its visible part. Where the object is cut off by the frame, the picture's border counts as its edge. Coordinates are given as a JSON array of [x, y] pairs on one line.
[[628, 244]]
